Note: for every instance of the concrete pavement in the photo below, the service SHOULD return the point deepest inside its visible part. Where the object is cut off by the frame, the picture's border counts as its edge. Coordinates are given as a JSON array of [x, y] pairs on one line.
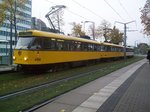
[[94, 96]]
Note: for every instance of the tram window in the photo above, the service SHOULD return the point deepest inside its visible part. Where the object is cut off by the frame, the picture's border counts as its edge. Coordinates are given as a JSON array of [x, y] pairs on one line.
[[71, 45], [66, 45], [59, 44], [46, 43], [98, 48], [84, 46], [105, 48], [120, 49], [108, 48], [90, 47], [53, 44], [77, 46], [102, 48], [117, 49], [129, 50], [37, 44], [95, 47], [112, 48]]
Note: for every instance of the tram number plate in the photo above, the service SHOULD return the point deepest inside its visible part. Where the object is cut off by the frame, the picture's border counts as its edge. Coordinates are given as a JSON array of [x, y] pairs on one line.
[[37, 59]]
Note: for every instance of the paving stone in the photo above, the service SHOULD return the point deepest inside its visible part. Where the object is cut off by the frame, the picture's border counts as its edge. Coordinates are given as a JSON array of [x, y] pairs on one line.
[[132, 95], [84, 109]]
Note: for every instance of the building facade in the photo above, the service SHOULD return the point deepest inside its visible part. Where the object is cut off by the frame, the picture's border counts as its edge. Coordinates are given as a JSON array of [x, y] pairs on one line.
[[23, 23], [37, 24]]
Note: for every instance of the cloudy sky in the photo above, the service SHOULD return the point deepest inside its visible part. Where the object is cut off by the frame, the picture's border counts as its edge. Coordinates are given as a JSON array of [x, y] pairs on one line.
[[97, 10]]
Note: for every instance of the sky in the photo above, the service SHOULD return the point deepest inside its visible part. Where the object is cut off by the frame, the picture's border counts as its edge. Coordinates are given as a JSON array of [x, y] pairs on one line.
[[113, 11]]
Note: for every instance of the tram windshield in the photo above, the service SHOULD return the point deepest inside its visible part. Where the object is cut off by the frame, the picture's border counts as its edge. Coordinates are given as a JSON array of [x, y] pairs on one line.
[[24, 42], [29, 43]]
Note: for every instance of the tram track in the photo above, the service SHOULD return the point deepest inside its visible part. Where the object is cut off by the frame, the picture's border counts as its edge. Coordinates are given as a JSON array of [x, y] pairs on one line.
[[53, 82], [47, 84]]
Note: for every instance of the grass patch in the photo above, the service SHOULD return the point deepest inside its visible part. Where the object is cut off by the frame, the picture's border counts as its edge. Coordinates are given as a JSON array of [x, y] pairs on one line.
[[25, 101], [14, 82]]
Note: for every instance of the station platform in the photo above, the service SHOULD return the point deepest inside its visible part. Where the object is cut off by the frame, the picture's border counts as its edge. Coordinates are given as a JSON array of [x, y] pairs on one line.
[[125, 90]]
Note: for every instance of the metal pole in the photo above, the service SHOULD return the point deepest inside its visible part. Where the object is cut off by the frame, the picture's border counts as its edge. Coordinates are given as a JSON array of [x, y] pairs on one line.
[[125, 39], [6, 41], [93, 30], [10, 54], [125, 35], [10, 51]]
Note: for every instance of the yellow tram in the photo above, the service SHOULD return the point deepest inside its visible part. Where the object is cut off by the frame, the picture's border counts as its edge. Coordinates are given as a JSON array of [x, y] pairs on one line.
[[37, 50]]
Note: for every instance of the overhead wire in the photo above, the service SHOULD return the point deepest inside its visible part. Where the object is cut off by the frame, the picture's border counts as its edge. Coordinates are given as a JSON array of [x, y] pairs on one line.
[[127, 13], [69, 11], [124, 9], [76, 14], [88, 9], [113, 9], [50, 2]]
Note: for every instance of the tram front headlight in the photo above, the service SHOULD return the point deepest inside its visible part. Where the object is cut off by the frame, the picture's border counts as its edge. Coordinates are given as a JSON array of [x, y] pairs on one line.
[[25, 58], [14, 58]]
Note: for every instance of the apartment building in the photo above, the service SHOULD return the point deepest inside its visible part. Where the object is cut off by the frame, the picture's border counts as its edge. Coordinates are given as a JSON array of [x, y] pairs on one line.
[[22, 24]]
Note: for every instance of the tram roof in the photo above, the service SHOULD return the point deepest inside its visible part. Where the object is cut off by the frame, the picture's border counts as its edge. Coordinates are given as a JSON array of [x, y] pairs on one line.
[[54, 35], [60, 36], [111, 44]]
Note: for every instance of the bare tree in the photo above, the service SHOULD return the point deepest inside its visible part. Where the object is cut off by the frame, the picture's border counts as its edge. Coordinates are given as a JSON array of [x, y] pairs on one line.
[[103, 30], [145, 17], [57, 19]]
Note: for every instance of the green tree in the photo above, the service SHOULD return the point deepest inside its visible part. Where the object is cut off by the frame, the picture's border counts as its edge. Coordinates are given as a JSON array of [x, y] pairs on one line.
[[142, 48], [12, 10], [145, 17], [115, 36], [77, 30]]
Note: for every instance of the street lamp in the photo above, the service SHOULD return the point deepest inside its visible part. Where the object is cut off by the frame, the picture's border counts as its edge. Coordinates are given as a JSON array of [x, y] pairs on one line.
[[93, 30]]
